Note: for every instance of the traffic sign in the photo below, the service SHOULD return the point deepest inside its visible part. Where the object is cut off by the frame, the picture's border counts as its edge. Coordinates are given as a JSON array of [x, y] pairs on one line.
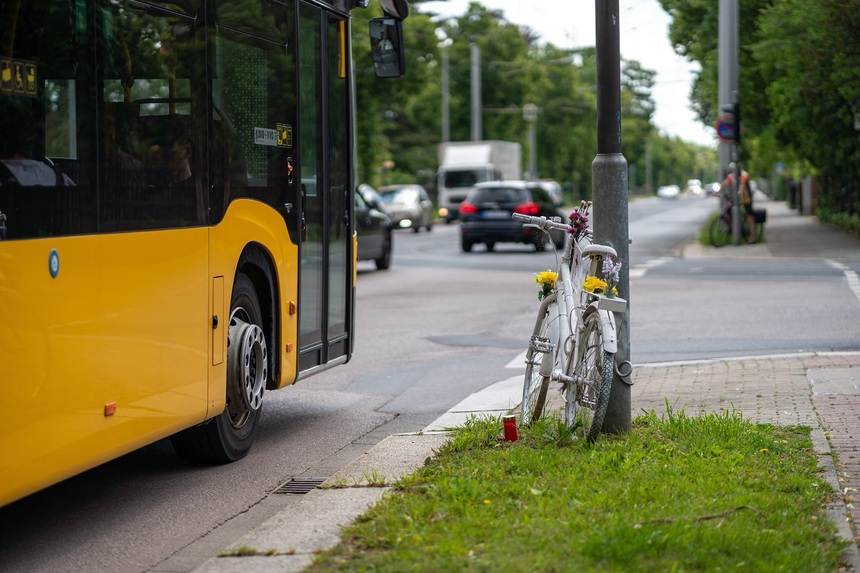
[[726, 127]]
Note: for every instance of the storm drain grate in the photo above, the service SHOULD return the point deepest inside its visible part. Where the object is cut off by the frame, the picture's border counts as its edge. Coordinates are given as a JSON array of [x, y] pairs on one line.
[[300, 485]]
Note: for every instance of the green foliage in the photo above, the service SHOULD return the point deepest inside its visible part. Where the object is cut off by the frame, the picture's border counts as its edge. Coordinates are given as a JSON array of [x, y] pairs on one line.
[[849, 222], [399, 120], [799, 87], [677, 493]]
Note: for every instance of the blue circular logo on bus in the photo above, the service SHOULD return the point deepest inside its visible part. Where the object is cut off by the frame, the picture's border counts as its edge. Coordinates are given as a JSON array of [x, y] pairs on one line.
[[54, 263]]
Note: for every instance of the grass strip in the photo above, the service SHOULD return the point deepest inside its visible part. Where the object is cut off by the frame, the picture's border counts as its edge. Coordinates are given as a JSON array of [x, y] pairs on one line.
[[676, 493]]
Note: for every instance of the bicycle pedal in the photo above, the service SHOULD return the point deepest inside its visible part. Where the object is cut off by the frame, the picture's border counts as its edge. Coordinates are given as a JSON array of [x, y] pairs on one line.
[[541, 344]]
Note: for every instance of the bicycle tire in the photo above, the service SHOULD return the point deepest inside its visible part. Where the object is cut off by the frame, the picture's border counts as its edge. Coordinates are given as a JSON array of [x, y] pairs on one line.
[[535, 384], [585, 403], [745, 228], [759, 232], [721, 231]]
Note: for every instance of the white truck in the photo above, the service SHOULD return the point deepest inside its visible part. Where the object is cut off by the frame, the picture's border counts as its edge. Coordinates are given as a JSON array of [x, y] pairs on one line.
[[464, 163]]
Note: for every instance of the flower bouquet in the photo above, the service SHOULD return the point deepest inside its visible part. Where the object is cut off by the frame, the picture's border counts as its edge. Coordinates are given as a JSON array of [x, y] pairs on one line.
[[605, 290], [546, 282], [579, 222]]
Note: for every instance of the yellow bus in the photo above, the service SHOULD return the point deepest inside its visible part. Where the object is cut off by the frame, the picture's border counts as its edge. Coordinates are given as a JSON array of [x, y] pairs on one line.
[[176, 221]]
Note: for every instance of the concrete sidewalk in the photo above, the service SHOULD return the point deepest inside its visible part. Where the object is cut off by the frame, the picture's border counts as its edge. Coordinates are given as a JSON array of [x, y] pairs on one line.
[[820, 390]]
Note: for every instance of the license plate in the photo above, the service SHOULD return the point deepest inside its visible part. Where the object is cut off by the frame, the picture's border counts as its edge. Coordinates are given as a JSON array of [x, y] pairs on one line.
[[496, 215]]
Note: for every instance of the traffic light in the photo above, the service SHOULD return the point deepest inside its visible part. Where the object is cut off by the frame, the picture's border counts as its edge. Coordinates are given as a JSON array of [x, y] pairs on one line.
[[735, 111]]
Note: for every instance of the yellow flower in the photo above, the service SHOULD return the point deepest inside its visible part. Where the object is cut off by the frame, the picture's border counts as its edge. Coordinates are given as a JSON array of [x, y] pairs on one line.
[[546, 278], [594, 284], [546, 281]]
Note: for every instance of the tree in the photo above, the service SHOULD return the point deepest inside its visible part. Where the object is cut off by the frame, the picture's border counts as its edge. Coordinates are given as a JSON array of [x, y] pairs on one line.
[[799, 87], [399, 120]]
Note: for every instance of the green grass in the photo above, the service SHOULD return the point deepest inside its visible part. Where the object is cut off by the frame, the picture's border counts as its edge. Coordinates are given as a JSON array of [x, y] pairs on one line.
[[677, 493]]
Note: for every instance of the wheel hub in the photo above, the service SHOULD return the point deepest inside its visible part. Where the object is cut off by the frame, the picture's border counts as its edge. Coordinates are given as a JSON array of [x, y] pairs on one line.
[[247, 362]]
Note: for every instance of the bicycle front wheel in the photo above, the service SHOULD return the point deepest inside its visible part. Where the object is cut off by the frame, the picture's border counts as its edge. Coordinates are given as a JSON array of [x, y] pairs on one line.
[[721, 231], [586, 400], [539, 352]]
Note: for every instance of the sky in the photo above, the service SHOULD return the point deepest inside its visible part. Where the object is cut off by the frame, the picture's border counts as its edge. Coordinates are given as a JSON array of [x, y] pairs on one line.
[[644, 37]]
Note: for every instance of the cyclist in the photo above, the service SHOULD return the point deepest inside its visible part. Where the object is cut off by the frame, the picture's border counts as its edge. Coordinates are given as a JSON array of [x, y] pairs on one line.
[[744, 196]]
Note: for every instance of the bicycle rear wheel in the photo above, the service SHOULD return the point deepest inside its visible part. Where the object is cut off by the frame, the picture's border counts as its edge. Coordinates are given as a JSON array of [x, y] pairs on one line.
[[758, 229], [585, 402], [721, 230], [540, 351]]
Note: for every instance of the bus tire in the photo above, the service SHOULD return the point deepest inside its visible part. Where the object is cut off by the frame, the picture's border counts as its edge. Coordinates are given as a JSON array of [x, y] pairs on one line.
[[228, 437]]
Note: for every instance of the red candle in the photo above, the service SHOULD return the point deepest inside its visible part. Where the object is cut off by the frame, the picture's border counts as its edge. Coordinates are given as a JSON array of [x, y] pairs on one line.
[[510, 425]]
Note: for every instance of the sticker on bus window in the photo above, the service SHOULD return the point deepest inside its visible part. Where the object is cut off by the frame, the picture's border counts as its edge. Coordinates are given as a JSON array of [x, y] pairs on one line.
[[18, 77], [263, 136], [285, 135]]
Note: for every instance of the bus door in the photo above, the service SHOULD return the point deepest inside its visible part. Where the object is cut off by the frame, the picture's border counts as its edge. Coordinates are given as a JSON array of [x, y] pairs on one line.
[[325, 271]]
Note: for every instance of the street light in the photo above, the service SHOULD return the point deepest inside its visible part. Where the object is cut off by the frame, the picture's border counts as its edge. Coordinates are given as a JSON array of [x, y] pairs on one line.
[[530, 113]]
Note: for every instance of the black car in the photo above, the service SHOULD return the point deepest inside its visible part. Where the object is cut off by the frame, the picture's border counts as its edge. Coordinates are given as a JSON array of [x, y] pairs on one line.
[[373, 227], [485, 214]]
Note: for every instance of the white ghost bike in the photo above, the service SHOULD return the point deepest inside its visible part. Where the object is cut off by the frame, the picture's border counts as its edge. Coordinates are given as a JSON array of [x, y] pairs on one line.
[[574, 341]]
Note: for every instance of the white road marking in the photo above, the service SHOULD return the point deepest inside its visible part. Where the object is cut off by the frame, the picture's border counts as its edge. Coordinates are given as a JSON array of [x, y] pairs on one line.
[[850, 276]]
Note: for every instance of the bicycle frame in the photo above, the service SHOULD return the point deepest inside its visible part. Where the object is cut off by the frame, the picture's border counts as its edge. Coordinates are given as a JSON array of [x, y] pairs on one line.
[[572, 306]]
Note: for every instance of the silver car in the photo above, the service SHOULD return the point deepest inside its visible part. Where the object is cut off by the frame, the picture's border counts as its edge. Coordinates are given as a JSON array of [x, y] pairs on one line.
[[408, 206]]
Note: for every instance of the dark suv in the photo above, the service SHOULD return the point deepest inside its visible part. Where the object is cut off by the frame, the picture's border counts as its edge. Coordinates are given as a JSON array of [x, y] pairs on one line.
[[485, 214]]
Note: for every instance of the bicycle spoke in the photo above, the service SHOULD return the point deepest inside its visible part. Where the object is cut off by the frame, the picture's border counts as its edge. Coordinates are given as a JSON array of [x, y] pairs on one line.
[[586, 401], [535, 384]]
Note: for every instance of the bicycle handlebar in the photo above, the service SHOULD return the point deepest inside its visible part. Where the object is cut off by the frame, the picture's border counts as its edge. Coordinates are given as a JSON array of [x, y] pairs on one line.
[[541, 223]]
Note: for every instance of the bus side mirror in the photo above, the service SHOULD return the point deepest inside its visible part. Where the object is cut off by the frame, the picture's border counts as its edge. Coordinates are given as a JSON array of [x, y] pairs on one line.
[[386, 47], [396, 8]]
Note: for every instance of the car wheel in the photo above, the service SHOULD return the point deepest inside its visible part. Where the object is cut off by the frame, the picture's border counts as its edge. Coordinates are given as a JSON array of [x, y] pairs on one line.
[[466, 246], [384, 260], [491, 245]]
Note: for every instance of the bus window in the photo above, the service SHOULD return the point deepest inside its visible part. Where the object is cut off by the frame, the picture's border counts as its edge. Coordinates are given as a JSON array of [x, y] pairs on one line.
[[46, 186], [151, 134]]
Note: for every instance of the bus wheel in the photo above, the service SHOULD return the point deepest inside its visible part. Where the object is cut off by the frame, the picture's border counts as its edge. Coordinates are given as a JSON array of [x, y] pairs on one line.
[[228, 436]]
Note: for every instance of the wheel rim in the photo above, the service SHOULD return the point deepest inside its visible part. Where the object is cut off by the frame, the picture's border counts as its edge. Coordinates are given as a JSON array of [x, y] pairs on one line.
[[247, 367], [536, 384], [581, 401], [533, 391]]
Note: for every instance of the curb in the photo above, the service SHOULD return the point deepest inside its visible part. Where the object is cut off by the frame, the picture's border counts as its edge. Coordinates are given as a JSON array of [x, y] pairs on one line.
[[289, 541]]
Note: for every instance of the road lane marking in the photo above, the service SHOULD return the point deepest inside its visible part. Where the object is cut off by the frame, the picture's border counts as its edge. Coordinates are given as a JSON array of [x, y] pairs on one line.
[[850, 276], [639, 270]]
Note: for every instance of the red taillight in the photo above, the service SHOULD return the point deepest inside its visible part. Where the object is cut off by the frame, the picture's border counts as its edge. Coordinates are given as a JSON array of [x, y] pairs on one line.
[[527, 208], [467, 208]]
